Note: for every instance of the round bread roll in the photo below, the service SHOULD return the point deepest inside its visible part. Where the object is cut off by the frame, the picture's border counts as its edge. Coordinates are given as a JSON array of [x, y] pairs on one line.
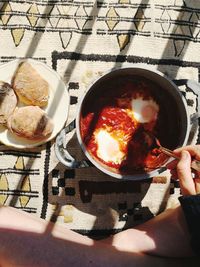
[[8, 101], [29, 86], [30, 122]]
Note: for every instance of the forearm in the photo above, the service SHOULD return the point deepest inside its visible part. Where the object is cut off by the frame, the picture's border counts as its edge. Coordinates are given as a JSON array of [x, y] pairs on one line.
[[29, 241], [11, 218]]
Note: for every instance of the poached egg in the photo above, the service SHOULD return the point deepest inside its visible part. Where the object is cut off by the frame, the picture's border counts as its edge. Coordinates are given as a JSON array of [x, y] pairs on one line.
[[108, 147], [144, 110]]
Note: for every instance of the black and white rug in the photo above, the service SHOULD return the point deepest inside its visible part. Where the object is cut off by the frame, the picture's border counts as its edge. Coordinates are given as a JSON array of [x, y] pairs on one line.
[[81, 41]]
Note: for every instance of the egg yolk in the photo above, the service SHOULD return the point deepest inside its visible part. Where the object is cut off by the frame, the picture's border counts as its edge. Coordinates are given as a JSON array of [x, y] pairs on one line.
[[144, 111], [108, 147], [113, 129]]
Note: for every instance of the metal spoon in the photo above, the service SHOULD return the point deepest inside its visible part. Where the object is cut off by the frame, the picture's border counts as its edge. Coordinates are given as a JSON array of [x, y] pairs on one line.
[[195, 164]]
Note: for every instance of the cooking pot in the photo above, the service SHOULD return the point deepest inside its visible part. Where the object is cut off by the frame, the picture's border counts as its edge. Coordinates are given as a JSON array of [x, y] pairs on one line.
[[180, 121]]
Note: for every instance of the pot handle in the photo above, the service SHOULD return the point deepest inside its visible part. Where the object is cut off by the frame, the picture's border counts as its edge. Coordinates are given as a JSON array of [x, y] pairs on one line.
[[61, 152], [195, 87]]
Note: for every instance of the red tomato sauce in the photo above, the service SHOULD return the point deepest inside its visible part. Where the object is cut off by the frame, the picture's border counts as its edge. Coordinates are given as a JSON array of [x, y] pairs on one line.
[[116, 121], [110, 112]]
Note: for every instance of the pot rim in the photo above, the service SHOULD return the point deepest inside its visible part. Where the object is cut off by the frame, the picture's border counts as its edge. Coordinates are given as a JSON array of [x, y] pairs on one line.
[[136, 176]]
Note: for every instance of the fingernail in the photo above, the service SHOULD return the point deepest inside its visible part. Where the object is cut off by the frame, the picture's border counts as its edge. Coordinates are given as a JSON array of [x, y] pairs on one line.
[[184, 154]]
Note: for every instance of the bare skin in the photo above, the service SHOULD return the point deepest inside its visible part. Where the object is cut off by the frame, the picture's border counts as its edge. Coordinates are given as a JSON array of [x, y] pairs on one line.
[[169, 227], [29, 241]]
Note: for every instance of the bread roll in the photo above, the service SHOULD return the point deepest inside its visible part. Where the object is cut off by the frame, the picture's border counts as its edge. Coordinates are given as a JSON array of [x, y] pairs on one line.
[[30, 87], [8, 101], [30, 122]]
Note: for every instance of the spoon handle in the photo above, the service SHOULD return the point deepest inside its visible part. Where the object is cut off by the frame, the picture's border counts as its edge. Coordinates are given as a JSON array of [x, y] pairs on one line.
[[195, 165]]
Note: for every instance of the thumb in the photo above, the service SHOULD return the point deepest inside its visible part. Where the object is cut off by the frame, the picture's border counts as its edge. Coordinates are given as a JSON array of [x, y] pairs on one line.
[[184, 174]]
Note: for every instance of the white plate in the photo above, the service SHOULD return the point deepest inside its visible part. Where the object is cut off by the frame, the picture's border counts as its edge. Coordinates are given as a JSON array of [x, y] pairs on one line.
[[57, 108]]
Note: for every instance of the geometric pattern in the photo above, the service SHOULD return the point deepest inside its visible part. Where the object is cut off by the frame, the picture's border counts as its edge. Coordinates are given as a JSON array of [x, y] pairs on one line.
[[81, 40], [69, 184], [23, 192], [178, 21]]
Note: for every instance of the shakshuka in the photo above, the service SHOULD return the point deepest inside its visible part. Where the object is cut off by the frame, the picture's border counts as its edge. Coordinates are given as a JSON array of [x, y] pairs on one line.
[[114, 124]]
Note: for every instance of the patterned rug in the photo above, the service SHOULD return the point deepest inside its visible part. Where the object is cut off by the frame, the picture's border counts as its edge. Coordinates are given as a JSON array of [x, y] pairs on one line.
[[81, 40]]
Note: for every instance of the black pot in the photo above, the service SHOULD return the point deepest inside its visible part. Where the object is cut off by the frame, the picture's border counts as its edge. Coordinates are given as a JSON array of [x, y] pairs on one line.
[[177, 118]]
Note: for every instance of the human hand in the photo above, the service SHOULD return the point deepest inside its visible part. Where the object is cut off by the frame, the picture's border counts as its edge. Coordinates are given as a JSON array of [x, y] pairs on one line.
[[189, 180]]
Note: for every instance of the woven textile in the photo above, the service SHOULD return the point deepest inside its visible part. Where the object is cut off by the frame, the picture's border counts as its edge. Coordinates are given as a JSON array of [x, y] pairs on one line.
[[81, 40]]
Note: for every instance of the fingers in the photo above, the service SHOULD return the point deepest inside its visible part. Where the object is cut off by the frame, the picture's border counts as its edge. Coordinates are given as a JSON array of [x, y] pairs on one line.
[[184, 174], [181, 169], [194, 150]]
